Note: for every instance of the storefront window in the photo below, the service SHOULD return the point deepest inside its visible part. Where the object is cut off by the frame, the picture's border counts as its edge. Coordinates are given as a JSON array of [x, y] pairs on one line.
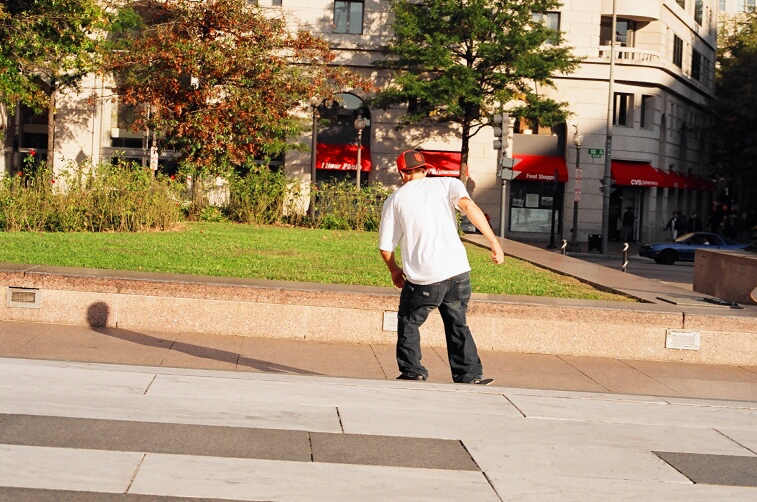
[[531, 206]]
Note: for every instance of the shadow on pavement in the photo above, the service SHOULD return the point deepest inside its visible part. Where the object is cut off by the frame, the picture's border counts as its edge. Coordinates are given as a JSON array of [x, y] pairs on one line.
[[97, 318]]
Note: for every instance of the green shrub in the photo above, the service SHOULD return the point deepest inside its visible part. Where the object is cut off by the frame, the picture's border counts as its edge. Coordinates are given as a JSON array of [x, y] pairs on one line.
[[262, 196], [123, 197], [126, 197], [342, 206], [212, 214]]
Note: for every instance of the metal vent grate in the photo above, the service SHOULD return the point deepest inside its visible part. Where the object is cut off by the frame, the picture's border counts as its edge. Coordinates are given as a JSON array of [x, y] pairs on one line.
[[23, 297]]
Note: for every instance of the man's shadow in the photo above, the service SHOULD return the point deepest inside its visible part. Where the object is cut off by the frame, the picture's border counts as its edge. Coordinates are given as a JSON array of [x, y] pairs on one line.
[[97, 318]]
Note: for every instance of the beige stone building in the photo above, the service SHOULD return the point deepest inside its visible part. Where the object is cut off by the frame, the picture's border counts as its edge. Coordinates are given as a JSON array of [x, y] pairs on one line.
[[663, 83], [734, 8]]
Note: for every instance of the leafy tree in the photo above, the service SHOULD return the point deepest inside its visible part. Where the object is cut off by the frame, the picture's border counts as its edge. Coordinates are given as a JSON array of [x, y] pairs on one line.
[[735, 133], [218, 80], [457, 61], [46, 46]]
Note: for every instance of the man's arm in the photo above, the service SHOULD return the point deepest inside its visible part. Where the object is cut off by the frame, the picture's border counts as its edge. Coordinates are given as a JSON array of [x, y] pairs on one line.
[[477, 217], [398, 278]]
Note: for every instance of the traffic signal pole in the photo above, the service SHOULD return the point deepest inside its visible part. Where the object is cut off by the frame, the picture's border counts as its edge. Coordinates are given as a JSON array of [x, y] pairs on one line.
[[607, 178], [503, 146]]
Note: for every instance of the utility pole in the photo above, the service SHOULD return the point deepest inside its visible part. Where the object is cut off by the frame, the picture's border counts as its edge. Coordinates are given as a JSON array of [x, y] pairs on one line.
[[578, 141], [607, 179]]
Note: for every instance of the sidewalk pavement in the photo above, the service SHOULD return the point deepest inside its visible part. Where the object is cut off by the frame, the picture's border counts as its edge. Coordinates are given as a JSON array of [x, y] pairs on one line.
[[99, 432], [370, 361], [647, 290]]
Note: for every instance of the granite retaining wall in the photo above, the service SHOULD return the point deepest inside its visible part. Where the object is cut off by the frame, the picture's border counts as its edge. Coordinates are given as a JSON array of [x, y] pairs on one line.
[[160, 303]]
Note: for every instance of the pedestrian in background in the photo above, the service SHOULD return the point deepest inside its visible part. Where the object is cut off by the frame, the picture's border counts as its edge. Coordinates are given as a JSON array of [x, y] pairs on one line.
[[420, 217], [628, 221], [673, 225]]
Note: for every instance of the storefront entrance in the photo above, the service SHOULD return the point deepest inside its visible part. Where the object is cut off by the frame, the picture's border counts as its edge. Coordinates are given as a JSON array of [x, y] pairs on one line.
[[623, 198], [630, 181], [337, 150]]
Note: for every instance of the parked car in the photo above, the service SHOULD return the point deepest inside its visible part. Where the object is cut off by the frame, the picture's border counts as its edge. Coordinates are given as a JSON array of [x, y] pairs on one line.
[[683, 248]]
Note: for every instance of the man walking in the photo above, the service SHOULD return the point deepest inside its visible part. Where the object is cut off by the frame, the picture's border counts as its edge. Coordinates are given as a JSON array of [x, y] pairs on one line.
[[420, 218], [628, 220]]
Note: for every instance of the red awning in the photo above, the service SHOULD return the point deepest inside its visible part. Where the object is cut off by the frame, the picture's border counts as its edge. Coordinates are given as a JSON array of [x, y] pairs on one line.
[[444, 163], [676, 180], [540, 168], [342, 157], [640, 174]]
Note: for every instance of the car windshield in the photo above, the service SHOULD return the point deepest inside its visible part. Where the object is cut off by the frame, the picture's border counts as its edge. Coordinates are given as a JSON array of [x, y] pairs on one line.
[[684, 237]]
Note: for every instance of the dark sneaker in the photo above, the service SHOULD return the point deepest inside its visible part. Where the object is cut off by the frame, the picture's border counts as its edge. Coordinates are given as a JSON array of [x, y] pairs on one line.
[[480, 381], [405, 376]]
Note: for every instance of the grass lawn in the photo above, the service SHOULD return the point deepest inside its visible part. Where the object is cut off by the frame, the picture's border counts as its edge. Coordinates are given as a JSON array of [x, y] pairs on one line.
[[266, 252]]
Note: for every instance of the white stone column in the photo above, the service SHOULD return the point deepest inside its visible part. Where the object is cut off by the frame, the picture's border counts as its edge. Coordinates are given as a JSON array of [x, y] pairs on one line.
[[665, 209], [650, 215]]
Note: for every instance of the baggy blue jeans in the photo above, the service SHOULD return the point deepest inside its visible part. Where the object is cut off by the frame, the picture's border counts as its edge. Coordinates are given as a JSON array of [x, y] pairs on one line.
[[451, 297]]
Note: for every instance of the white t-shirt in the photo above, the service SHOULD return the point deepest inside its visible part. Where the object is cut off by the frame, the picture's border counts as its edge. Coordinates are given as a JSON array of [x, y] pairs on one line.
[[420, 217]]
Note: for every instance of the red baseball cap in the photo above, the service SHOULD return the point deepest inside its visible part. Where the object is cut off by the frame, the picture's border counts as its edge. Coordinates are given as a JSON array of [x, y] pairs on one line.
[[411, 159]]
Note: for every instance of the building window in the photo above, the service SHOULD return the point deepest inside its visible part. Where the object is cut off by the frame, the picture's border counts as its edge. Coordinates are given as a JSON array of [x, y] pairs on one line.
[[122, 133], [696, 65], [677, 51], [682, 3], [647, 111], [348, 17], [551, 20], [622, 113], [748, 5], [698, 8], [722, 5], [624, 31], [276, 3], [33, 132]]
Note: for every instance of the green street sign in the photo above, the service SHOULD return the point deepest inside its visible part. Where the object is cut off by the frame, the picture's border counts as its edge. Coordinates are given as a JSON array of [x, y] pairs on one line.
[[596, 152]]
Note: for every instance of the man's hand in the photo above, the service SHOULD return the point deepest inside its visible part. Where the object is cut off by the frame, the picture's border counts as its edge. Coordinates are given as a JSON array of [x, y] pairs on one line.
[[398, 278], [498, 256]]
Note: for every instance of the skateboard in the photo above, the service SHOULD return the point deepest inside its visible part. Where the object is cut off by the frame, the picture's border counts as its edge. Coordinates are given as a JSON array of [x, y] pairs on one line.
[[483, 381]]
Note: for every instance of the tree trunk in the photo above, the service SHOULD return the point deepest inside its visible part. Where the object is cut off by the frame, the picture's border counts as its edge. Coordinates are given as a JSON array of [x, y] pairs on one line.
[[51, 131], [4, 131], [464, 152]]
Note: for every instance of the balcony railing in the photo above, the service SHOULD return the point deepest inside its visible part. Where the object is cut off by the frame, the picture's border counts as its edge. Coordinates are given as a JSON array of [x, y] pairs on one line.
[[630, 55], [643, 57]]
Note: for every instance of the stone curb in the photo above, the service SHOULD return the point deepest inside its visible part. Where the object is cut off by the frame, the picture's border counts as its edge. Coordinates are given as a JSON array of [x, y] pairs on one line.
[[355, 314]]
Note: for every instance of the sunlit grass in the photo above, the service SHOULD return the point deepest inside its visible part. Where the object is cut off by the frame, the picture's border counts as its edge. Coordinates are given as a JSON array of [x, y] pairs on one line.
[[268, 252]]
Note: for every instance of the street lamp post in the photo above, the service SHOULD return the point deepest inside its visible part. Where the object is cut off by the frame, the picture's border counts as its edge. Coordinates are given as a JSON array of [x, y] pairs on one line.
[[315, 101], [360, 124], [578, 141]]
